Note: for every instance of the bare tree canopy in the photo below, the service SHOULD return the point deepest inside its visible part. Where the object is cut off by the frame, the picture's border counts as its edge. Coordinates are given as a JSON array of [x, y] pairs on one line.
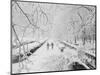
[[52, 37]]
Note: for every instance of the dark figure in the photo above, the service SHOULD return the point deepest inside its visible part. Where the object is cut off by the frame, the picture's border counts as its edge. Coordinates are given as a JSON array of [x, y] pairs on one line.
[[52, 45], [62, 49], [47, 45]]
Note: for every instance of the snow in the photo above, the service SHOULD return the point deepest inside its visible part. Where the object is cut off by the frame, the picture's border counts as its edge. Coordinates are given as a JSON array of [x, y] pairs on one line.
[[51, 59]]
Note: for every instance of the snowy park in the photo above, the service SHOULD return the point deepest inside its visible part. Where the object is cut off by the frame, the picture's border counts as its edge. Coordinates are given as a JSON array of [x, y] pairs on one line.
[[49, 37]]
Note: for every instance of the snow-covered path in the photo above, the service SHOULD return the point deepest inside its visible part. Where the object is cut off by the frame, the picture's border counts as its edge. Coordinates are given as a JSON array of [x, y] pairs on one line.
[[48, 59]]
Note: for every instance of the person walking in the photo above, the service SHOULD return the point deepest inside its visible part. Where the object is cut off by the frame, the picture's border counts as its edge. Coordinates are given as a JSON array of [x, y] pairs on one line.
[[52, 45], [47, 46]]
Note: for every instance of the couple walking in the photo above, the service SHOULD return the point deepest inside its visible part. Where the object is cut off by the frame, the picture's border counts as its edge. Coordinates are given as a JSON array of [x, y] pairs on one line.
[[50, 45]]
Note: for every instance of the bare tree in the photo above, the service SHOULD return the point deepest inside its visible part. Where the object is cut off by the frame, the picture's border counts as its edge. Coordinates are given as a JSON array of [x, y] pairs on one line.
[[87, 21], [33, 22]]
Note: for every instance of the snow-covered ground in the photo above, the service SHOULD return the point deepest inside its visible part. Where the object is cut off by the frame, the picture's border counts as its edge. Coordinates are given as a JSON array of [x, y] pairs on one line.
[[50, 59]]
